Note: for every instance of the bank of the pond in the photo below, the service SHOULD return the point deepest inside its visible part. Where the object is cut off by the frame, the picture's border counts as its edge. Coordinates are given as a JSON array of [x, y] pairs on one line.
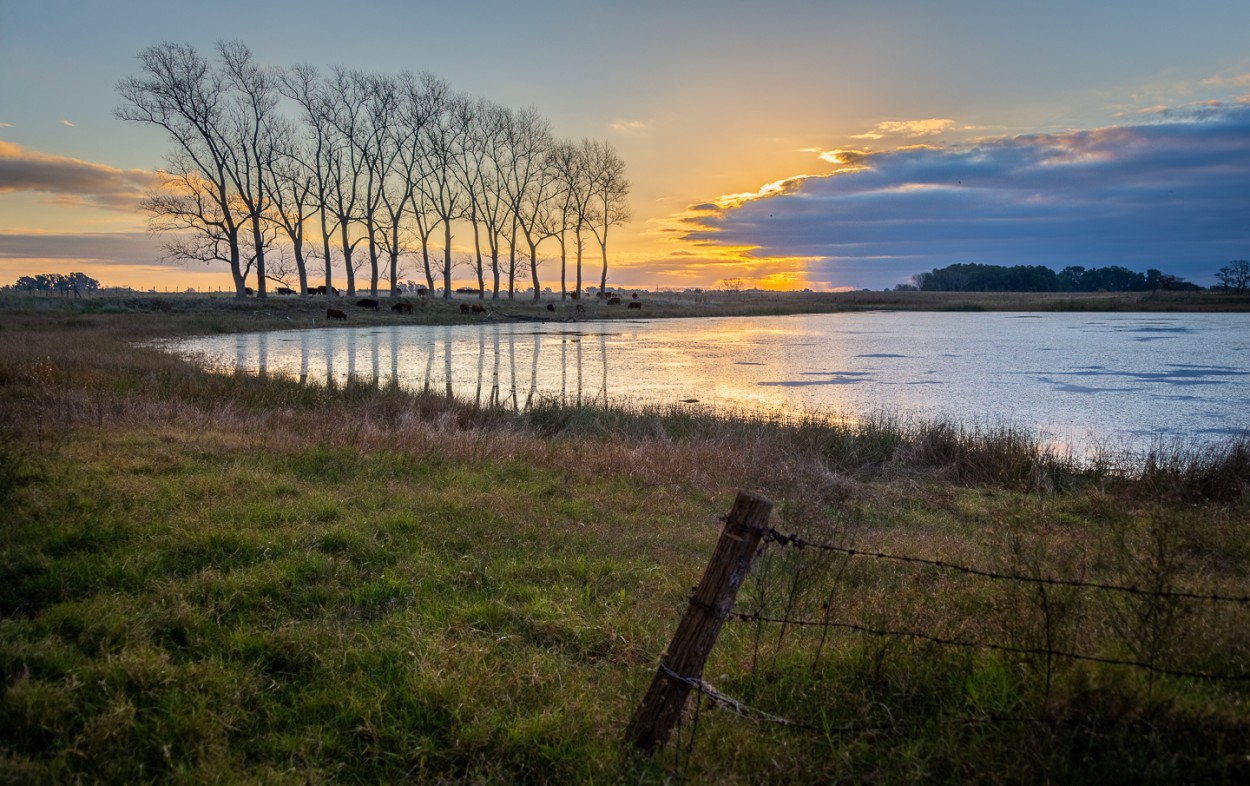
[[225, 578], [190, 314]]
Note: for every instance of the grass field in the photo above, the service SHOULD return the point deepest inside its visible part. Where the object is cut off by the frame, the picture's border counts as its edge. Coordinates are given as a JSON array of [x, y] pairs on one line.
[[224, 579]]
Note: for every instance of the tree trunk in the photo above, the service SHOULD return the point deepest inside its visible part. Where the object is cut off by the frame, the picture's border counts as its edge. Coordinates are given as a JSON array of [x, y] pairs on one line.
[[325, 249], [258, 238], [373, 262], [347, 263], [534, 268], [603, 245], [577, 234], [447, 259]]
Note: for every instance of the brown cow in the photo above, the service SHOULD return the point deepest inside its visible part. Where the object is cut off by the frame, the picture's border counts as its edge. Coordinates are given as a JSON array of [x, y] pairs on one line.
[[368, 302], [334, 313], [479, 309], [402, 308], [614, 301], [464, 308], [635, 304]]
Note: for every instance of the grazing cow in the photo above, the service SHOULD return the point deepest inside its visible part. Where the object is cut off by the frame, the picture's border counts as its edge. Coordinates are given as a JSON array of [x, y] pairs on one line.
[[334, 313], [550, 307], [478, 309], [614, 301], [249, 290], [464, 308], [422, 291], [635, 304], [402, 308], [285, 291], [368, 303]]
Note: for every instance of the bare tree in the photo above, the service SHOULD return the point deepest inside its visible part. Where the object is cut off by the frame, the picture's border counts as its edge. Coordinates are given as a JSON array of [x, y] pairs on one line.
[[442, 137], [570, 163], [486, 145], [610, 206], [251, 148], [293, 193], [529, 183], [1235, 276], [179, 92], [302, 85], [471, 170], [378, 153], [423, 96], [345, 163]]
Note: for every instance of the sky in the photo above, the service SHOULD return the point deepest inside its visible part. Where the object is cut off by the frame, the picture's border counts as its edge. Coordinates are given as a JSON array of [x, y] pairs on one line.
[[785, 145]]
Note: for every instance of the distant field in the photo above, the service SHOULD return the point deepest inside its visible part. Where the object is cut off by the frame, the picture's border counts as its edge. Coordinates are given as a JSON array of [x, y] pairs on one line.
[[222, 312], [224, 578]]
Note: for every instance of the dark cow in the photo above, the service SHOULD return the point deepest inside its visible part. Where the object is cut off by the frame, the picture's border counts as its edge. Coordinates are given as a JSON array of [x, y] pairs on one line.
[[402, 308], [334, 313], [550, 307], [614, 301], [468, 291], [368, 303], [635, 304], [249, 290], [321, 290], [422, 292], [464, 308], [581, 309], [478, 309], [635, 296], [285, 291]]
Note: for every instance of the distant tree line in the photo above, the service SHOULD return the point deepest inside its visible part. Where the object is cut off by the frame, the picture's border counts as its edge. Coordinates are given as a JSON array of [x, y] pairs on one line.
[[273, 168], [1039, 278], [65, 284]]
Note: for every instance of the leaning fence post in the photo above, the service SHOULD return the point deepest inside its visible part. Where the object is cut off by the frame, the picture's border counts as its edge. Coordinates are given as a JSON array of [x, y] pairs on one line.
[[696, 633]]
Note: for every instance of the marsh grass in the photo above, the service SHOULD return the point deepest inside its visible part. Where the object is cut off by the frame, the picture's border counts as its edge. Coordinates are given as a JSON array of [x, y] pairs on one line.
[[223, 577]]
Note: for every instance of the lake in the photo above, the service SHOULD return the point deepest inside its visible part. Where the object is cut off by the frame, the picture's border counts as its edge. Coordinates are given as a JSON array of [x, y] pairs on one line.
[[1115, 381]]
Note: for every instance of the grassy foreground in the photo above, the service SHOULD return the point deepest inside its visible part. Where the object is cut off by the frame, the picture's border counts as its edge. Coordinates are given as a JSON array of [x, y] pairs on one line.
[[209, 578]]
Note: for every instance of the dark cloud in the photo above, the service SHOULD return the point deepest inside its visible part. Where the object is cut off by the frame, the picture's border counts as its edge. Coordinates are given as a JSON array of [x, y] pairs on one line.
[[81, 182], [116, 248], [1171, 195]]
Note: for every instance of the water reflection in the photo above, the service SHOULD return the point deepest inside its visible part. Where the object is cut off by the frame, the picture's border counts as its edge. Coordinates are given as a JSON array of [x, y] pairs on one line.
[[1069, 378], [496, 365]]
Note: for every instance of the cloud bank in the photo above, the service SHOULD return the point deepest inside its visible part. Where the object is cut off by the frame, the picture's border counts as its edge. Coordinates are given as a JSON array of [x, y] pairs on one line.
[[1173, 194], [73, 180], [107, 248]]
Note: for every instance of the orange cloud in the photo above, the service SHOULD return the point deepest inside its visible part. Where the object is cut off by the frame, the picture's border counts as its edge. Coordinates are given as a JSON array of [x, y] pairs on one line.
[[71, 178], [909, 128]]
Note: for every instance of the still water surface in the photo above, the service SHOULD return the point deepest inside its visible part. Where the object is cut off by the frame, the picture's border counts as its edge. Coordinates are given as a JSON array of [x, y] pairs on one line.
[[1117, 381]]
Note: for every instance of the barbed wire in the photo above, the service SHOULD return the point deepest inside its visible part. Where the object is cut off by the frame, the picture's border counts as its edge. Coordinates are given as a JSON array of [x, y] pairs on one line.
[[773, 536], [742, 709], [756, 617]]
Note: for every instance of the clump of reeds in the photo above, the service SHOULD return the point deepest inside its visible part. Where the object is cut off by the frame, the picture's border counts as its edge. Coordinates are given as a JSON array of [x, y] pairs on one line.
[[1217, 472]]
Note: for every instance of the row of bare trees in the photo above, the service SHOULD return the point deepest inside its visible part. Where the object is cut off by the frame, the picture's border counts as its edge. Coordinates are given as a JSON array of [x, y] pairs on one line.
[[301, 166]]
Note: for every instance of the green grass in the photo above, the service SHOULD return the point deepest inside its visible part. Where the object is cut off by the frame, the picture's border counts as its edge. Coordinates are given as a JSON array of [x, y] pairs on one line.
[[220, 578]]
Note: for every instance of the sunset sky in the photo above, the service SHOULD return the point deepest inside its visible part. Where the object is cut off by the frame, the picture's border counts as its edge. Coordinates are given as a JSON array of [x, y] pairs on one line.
[[786, 144]]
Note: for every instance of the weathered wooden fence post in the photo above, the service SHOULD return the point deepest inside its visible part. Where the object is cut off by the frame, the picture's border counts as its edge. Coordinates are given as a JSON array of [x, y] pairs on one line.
[[696, 634]]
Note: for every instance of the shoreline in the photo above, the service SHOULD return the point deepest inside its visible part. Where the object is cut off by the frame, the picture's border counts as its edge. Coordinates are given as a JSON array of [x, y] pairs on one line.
[[185, 314]]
